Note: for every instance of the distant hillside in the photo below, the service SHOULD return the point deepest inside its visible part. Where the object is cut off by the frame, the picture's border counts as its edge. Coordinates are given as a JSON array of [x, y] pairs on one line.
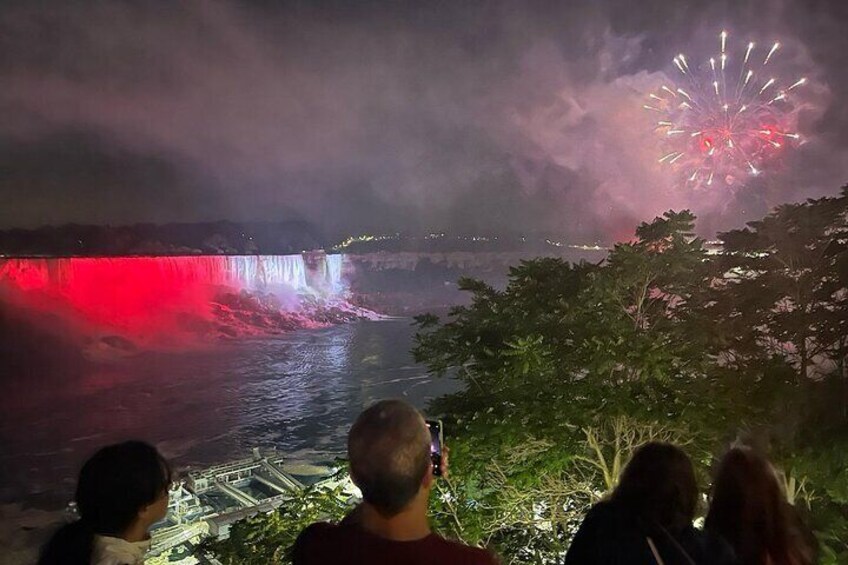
[[535, 243], [260, 238], [271, 238]]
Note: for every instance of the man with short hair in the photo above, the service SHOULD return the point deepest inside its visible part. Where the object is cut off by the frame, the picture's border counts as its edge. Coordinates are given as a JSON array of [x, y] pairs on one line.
[[389, 451]]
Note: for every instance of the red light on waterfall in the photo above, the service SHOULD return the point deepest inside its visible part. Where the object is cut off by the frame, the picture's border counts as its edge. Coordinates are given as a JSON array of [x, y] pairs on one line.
[[138, 295], [154, 298], [134, 292], [24, 274]]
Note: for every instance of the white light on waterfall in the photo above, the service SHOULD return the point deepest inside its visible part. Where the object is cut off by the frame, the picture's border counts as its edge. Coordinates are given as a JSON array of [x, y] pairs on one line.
[[253, 272], [334, 271]]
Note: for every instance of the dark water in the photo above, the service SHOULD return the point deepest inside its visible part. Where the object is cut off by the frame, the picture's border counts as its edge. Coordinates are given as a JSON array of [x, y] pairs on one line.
[[296, 392]]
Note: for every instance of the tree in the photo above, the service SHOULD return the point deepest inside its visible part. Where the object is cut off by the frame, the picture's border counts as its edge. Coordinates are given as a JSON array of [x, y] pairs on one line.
[[637, 306], [784, 276], [659, 335]]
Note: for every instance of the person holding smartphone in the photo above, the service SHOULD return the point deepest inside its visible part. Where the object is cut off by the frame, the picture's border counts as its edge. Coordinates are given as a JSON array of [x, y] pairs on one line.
[[395, 457]]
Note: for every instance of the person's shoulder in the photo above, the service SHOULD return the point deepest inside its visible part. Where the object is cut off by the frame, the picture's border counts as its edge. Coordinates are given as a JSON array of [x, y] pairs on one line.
[[719, 549], [108, 550], [605, 512], [603, 507], [712, 547], [317, 543], [456, 552], [318, 528], [318, 532]]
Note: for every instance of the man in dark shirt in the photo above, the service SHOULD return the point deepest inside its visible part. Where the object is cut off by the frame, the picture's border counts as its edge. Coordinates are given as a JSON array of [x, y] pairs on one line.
[[389, 451]]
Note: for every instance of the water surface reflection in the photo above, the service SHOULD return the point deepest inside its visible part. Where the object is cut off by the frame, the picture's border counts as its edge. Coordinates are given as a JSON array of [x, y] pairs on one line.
[[295, 392]]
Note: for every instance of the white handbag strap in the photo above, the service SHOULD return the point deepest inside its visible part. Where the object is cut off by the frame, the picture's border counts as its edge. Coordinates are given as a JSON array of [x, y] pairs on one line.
[[654, 551], [676, 544]]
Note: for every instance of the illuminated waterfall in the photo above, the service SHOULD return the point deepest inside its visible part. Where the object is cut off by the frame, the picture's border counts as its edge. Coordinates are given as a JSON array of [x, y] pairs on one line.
[[267, 271], [251, 272], [334, 272], [141, 293]]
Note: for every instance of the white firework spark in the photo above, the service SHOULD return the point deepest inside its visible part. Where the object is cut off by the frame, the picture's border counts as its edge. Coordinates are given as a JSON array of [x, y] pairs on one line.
[[727, 118]]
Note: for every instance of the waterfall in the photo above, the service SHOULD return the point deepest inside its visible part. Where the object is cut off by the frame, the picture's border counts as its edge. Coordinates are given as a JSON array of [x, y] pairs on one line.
[[334, 272], [62, 274], [288, 270], [144, 296], [267, 271], [120, 274]]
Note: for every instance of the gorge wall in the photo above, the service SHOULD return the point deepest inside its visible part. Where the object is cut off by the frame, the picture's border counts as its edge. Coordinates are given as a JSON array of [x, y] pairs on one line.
[[410, 282]]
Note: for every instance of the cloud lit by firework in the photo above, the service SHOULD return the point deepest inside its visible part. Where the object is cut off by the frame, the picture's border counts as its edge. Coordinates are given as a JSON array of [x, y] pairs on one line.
[[363, 118], [728, 117]]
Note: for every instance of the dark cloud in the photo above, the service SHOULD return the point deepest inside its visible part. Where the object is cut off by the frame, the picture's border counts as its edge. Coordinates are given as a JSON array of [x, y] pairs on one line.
[[381, 116]]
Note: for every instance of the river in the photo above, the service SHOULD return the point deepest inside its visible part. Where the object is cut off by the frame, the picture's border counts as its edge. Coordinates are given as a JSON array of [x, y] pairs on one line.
[[297, 392]]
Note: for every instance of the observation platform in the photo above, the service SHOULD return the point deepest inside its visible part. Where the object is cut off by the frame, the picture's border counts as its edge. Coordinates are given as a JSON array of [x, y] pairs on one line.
[[208, 501]]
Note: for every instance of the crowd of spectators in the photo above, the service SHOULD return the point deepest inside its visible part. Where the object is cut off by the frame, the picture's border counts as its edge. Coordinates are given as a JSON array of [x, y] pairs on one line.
[[648, 518]]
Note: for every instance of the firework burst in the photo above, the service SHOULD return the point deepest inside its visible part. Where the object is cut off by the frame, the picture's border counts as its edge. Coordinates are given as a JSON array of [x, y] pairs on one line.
[[726, 118]]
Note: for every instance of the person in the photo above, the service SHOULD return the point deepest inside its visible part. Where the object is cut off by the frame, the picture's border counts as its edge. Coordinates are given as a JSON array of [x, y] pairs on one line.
[[389, 455], [121, 492], [748, 508], [648, 517]]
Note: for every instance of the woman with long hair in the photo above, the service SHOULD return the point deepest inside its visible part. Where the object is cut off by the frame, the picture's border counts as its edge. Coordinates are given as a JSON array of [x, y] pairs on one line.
[[648, 517], [122, 491], [749, 509]]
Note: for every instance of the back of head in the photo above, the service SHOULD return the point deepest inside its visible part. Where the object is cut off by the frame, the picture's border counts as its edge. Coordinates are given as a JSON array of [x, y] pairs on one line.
[[658, 487], [748, 508], [389, 451], [114, 485]]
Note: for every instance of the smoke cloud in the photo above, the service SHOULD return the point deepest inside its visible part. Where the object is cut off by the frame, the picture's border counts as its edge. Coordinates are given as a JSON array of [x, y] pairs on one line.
[[372, 117]]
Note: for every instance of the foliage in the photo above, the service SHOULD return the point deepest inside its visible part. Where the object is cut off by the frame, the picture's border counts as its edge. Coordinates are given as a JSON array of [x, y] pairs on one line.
[[611, 446], [784, 287], [268, 537], [823, 467], [662, 336], [620, 322], [526, 497]]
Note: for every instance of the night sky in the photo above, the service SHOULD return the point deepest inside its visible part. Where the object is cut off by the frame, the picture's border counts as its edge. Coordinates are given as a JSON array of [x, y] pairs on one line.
[[380, 116]]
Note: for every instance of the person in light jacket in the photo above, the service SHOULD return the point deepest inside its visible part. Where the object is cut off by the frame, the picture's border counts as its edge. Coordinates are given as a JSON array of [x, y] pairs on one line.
[[122, 491]]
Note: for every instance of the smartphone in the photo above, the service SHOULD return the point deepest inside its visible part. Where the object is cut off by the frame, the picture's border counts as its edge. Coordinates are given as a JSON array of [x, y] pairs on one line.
[[437, 439]]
